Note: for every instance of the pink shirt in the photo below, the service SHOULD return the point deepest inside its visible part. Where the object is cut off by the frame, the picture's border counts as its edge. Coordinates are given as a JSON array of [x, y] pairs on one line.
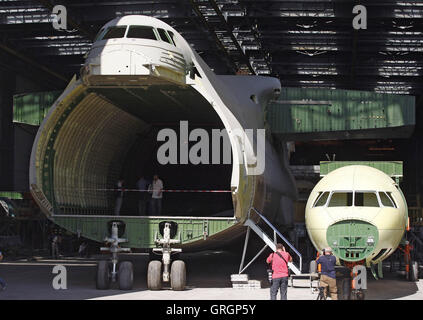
[[280, 267]]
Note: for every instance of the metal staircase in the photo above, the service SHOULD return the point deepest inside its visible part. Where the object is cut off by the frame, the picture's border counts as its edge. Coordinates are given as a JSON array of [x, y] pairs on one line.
[[269, 242]]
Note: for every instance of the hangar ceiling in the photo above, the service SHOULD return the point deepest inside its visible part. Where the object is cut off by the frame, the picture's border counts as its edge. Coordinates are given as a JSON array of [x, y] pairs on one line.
[[306, 43]]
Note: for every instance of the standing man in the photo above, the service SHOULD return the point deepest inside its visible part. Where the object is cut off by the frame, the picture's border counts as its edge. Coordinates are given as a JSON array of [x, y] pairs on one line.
[[119, 197], [328, 275], [82, 251], [142, 184], [2, 283], [279, 263], [156, 197], [55, 241]]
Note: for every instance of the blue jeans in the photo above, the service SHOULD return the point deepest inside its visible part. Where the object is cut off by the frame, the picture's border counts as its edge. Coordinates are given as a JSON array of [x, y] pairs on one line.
[[279, 283], [156, 206]]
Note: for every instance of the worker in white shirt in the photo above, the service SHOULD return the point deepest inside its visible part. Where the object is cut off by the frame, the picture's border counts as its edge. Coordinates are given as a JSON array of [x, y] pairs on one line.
[[156, 197]]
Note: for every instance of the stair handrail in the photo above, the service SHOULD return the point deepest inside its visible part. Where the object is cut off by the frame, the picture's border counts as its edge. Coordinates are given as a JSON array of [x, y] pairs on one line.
[[281, 236]]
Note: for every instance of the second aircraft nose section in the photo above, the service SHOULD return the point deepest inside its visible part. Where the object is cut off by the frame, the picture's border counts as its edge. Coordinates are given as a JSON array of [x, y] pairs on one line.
[[352, 240]]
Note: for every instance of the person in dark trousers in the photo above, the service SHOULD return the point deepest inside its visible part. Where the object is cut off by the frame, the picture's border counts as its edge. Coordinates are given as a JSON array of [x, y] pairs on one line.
[[83, 251], [142, 184], [2, 282], [156, 188], [55, 242], [328, 275], [119, 196], [279, 264]]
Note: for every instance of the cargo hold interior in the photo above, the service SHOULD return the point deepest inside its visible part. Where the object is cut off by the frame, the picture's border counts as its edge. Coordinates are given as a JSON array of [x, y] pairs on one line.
[[111, 133]]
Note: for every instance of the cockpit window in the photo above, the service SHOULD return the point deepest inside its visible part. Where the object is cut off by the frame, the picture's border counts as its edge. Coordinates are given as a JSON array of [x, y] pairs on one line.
[[164, 36], [386, 199], [321, 199], [366, 199], [99, 34], [141, 32], [341, 199], [114, 32], [172, 36], [389, 194]]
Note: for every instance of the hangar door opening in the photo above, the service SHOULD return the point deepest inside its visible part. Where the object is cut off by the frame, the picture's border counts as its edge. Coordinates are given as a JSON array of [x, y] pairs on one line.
[[109, 133]]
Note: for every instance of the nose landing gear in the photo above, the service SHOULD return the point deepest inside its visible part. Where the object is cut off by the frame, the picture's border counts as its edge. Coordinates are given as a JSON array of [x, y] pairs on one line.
[[158, 271]]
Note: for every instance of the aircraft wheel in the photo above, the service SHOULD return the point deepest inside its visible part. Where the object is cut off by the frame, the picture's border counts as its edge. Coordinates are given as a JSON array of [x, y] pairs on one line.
[[178, 275], [103, 275], [154, 275], [176, 256], [126, 275], [414, 271]]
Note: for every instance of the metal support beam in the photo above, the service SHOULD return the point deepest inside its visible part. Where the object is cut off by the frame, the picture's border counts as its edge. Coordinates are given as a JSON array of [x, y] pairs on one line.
[[380, 270], [7, 87], [255, 32], [253, 259], [33, 63], [224, 24], [353, 56], [247, 237], [231, 63]]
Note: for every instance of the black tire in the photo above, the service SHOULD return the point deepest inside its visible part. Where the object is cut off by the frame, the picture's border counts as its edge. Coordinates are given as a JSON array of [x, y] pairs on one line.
[[178, 275], [176, 256], [103, 275], [126, 275], [414, 271], [154, 275]]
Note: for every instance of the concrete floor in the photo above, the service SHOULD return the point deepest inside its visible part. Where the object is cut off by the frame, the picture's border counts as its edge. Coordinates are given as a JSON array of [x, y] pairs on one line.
[[208, 279]]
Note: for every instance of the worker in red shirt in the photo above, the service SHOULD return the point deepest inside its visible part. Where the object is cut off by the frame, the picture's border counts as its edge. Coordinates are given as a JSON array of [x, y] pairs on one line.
[[279, 263]]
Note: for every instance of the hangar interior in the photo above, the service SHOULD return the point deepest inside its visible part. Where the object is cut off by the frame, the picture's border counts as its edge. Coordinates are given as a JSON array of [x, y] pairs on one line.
[[310, 45]]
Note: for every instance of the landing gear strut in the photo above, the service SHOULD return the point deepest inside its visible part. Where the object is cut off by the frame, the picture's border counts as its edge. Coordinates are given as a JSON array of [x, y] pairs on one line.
[[352, 282], [110, 271], [166, 271]]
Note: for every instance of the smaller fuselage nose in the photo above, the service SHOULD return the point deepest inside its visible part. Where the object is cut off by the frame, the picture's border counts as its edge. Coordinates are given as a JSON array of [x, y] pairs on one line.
[[352, 240]]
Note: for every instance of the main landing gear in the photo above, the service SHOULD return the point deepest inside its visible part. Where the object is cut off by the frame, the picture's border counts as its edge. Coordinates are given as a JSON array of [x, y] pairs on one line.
[[111, 270]]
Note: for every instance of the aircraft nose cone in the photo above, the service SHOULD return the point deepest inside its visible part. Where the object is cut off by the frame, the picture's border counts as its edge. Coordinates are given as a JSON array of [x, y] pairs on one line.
[[352, 240], [120, 62]]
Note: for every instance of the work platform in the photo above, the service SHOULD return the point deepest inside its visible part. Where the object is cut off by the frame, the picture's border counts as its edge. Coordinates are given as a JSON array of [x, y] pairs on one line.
[[301, 114], [297, 114]]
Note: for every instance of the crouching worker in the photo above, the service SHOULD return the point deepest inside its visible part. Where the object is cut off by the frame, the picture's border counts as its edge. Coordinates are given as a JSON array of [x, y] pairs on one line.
[[279, 264], [328, 274]]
